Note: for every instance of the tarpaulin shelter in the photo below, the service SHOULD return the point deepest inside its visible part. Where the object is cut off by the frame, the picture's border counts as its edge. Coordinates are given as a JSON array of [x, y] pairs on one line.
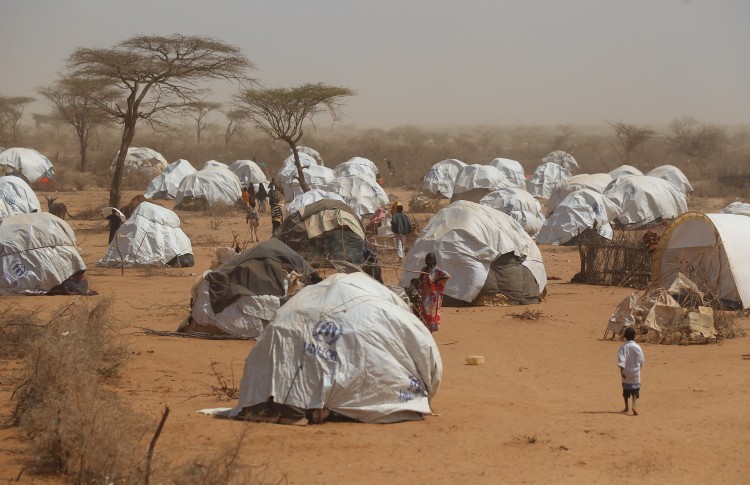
[[441, 177], [29, 164], [580, 210], [17, 197], [518, 204], [512, 170], [485, 251], [597, 182], [309, 197], [362, 194], [242, 295], [141, 162], [356, 166], [545, 178], [151, 236], [165, 185], [562, 158], [645, 200], [673, 175], [475, 181], [624, 170], [347, 345], [248, 172], [208, 187], [37, 253]]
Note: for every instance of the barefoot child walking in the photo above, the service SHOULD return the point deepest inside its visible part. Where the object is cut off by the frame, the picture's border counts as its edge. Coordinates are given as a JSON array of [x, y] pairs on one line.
[[253, 219], [630, 359]]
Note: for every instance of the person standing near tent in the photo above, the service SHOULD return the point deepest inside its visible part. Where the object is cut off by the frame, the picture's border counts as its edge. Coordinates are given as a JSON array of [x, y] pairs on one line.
[[114, 224], [401, 226], [432, 281], [630, 359], [277, 215], [253, 220], [245, 197], [261, 196]]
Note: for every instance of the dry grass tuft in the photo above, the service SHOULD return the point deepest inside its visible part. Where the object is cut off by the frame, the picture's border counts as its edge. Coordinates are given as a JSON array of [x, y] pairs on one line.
[[527, 314]]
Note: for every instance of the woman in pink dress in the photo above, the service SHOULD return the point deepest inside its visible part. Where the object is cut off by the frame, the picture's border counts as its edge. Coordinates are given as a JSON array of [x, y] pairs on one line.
[[432, 282]]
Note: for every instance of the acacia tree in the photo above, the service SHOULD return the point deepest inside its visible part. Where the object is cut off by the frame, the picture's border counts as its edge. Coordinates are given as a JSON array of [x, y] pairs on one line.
[[160, 77], [629, 137], [695, 140], [11, 112], [198, 111], [281, 112], [78, 102]]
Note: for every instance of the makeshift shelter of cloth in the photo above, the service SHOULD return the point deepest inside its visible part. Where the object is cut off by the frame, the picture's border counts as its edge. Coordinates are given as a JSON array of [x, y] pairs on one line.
[[441, 177], [512, 170], [563, 159], [645, 200], [309, 197], [597, 182], [484, 250], [248, 172], [151, 236], [581, 210], [362, 194], [17, 197], [545, 178], [311, 152], [214, 163], [673, 175], [38, 255], [740, 208], [518, 204], [29, 164], [143, 162], [242, 295], [347, 346], [475, 181], [711, 250], [324, 229], [624, 170], [288, 174], [356, 166], [316, 176], [208, 187], [165, 185]]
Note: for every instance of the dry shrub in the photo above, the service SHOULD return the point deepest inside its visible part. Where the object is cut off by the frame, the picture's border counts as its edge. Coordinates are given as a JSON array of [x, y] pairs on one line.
[[17, 328], [75, 424]]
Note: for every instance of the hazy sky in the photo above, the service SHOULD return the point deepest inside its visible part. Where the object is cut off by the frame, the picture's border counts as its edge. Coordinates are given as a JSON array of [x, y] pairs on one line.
[[434, 62]]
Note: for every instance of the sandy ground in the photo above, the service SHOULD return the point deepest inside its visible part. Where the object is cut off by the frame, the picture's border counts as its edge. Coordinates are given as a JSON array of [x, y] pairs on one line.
[[544, 408]]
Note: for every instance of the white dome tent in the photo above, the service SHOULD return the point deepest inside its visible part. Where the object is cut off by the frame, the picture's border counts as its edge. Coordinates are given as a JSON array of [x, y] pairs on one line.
[[248, 172], [27, 163], [141, 162], [485, 251], [673, 175], [441, 177], [563, 159], [17, 197], [208, 187], [164, 185], [37, 253], [518, 204], [740, 208], [357, 166], [580, 210], [546, 177], [150, 237], [624, 170], [512, 170], [475, 181], [644, 200], [360, 193], [714, 246], [309, 197], [214, 163], [347, 345], [316, 176], [287, 174], [312, 153], [597, 182]]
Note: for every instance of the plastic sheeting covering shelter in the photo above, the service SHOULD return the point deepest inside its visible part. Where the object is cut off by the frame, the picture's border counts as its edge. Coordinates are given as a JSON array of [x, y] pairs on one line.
[[347, 345], [151, 237], [475, 181], [17, 197], [562, 158], [673, 175], [357, 166], [210, 186], [27, 163], [624, 170], [512, 170], [740, 208], [518, 204], [287, 174], [644, 200], [545, 178], [484, 250], [316, 176], [441, 177], [326, 228], [37, 253], [141, 161], [597, 182], [714, 245], [362, 194], [580, 210], [165, 185], [242, 295], [248, 172], [307, 198]]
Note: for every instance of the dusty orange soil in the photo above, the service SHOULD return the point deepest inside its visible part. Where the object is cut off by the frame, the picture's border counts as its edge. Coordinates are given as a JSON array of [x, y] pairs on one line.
[[544, 407]]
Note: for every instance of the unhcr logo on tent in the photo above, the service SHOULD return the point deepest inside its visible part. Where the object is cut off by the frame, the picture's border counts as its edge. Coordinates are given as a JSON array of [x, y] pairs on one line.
[[327, 332]]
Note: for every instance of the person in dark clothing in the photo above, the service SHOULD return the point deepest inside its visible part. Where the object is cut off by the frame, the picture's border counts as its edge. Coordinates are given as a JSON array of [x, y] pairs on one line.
[[401, 226], [371, 266], [261, 196], [114, 224]]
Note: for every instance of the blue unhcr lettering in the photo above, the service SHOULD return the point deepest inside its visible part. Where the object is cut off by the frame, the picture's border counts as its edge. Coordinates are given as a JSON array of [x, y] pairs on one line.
[[327, 332], [405, 396], [328, 354], [415, 385]]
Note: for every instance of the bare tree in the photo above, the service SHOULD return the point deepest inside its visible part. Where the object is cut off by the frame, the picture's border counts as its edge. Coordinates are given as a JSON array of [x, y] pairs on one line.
[[78, 101], [160, 77], [198, 111], [53, 119], [695, 140], [281, 112], [11, 112], [628, 137]]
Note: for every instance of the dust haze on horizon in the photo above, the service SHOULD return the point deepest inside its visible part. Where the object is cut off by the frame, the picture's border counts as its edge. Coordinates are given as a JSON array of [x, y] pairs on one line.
[[434, 62]]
